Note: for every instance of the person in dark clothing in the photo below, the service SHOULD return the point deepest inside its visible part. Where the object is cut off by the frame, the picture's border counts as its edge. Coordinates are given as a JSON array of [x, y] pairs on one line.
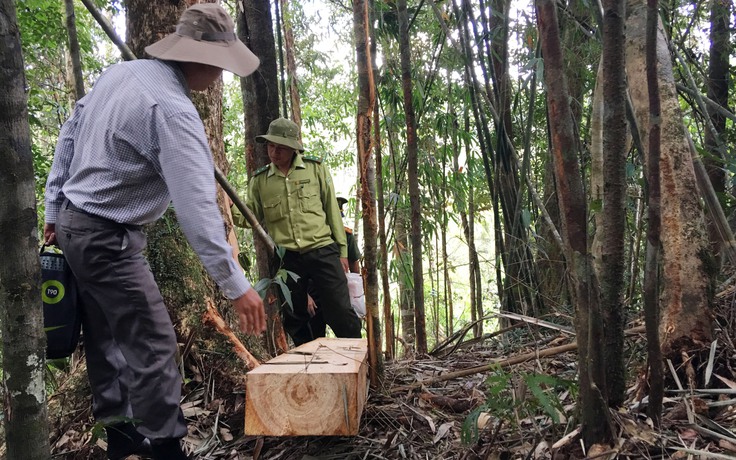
[[317, 323]]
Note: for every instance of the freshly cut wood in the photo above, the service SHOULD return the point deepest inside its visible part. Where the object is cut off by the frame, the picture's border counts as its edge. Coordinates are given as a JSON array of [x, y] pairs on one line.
[[316, 389]]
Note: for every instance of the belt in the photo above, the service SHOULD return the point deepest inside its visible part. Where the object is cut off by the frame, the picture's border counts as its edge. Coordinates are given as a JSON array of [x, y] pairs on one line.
[[69, 205]]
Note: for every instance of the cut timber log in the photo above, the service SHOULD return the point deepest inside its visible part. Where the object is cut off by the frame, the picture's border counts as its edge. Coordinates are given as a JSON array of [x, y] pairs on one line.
[[316, 389]]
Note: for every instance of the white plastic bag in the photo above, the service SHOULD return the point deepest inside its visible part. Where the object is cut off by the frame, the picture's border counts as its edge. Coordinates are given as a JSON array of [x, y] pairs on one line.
[[357, 296]]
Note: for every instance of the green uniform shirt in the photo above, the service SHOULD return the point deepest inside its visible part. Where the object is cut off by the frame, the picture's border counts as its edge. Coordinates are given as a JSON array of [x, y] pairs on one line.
[[299, 209]]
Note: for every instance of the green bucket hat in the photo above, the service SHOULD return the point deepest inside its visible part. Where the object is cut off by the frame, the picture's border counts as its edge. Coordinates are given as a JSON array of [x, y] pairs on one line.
[[284, 132]]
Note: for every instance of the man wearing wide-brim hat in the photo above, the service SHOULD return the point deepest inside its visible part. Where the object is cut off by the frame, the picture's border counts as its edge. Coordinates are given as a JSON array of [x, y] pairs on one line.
[[134, 145], [294, 196]]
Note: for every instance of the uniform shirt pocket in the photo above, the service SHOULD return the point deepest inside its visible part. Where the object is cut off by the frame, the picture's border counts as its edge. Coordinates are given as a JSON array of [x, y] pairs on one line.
[[272, 210], [309, 200]]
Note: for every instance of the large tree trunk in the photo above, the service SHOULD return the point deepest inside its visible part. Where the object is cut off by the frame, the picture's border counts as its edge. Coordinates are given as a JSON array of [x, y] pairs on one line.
[[261, 106], [26, 428], [596, 428], [412, 154], [686, 323], [367, 175]]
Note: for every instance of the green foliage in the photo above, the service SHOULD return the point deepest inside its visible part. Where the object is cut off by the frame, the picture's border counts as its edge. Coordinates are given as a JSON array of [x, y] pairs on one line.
[[511, 397], [279, 279]]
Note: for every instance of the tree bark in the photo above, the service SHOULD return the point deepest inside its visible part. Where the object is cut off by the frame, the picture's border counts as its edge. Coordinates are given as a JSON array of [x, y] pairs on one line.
[[595, 419], [292, 77], [717, 85], [651, 275], [388, 317], [686, 323], [413, 176], [367, 175], [261, 106], [614, 198], [23, 354], [71, 28]]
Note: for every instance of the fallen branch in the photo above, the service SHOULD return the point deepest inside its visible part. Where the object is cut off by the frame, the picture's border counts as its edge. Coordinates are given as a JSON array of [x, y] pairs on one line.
[[212, 316], [500, 363], [536, 321], [247, 213]]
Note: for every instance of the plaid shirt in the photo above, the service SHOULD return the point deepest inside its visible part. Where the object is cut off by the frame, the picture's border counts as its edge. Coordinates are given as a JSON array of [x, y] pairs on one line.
[[133, 145]]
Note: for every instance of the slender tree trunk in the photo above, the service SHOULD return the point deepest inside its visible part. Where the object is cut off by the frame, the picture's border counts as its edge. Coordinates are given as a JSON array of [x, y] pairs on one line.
[[71, 28], [717, 90], [261, 106], [446, 282], [367, 175], [595, 419], [651, 276], [614, 196], [413, 173], [23, 353], [292, 77], [280, 54], [388, 319], [686, 324]]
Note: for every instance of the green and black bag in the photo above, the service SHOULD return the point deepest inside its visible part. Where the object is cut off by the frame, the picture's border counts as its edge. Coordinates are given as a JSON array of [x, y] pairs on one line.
[[62, 315]]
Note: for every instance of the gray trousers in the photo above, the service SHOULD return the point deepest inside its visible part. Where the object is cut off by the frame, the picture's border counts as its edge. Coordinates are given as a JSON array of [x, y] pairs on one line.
[[129, 339]]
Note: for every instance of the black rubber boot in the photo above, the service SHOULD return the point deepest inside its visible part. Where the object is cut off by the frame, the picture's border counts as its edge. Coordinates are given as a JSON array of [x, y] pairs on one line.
[[167, 449], [124, 440]]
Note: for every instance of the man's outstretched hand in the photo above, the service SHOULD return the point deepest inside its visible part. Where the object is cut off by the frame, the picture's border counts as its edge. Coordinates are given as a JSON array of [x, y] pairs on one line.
[[251, 313]]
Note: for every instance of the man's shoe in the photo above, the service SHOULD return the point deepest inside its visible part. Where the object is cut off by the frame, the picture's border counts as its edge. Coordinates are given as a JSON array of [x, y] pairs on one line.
[[167, 449], [124, 440]]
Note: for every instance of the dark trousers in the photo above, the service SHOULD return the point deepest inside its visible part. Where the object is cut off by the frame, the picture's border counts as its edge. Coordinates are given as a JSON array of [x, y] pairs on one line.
[[129, 339], [323, 268]]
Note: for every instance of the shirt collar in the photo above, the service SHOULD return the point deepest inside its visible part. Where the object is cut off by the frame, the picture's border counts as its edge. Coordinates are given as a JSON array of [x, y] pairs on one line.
[[297, 163]]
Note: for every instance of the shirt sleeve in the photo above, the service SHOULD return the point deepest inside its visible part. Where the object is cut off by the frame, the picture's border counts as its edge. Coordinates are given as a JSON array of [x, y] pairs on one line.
[[60, 167], [188, 170], [332, 210]]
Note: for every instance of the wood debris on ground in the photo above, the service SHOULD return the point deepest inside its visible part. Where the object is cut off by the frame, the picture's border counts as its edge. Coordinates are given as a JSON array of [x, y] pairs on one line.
[[519, 409]]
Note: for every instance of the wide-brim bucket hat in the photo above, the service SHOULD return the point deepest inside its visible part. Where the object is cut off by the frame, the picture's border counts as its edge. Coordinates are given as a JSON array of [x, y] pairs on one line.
[[284, 132], [206, 34]]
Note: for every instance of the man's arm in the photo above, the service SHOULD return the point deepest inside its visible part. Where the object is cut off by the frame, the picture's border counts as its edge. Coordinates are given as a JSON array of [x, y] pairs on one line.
[[187, 167], [59, 173]]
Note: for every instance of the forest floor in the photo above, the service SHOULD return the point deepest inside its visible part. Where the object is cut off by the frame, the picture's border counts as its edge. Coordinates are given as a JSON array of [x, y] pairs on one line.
[[442, 406]]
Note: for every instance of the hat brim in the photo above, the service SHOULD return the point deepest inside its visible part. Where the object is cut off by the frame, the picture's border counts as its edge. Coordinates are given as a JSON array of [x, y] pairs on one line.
[[232, 56], [294, 144]]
